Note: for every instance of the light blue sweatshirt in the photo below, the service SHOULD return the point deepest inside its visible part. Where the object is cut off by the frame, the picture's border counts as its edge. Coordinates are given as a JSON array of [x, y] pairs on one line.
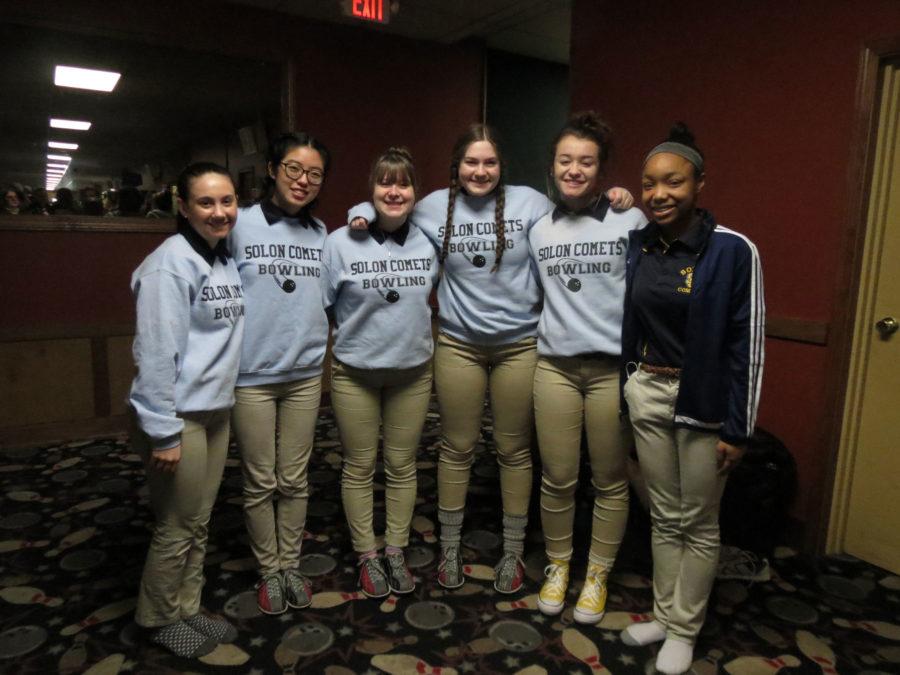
[[581, 262], [279, 260], [476, 305], [187, 344], [379, 286]]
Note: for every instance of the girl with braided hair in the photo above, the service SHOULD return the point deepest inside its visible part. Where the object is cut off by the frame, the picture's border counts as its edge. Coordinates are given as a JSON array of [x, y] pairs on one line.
[[488, 300]]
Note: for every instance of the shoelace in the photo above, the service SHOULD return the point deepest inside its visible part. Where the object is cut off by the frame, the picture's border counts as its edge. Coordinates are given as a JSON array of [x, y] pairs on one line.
[[397, 565], [508, 563], [553, 573], [592, 587], [450, 556], [373, 569], [273, 588]]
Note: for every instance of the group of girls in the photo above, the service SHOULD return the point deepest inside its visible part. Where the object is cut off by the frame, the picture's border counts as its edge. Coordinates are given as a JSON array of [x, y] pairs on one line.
[[550, 306]]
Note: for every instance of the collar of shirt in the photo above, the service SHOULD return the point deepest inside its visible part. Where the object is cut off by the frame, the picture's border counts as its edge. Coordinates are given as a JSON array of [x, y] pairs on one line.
[[202, 248], [399, 235], [694, 239], [274, 213], [598, 209]]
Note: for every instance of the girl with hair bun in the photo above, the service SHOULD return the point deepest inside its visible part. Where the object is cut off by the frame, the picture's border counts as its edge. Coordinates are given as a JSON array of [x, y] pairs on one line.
[[579, 252], [488, 318], [187, 346], [377, 283], [278, 247], [692, 351]]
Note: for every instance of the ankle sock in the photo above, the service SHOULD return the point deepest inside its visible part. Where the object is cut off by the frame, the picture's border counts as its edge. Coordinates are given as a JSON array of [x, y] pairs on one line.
[[393, 550], [368, 555], [674, 657], [640, 634], [514, 534]]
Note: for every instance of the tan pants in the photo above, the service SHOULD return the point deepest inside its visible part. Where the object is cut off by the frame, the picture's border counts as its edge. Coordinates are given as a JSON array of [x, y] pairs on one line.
[[571, 393], [679, 466], [364, 402], [181, 501], [462, 374], [275, 426]]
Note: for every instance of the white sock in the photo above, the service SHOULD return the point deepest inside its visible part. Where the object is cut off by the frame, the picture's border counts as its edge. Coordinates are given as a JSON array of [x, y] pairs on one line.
[[674, 657], [640, 634]]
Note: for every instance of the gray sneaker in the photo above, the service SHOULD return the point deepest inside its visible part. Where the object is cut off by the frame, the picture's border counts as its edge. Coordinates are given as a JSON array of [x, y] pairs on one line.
[[373, 581], [400, 578], [450, 573], [270, 595], [509, 574], [297, 588]]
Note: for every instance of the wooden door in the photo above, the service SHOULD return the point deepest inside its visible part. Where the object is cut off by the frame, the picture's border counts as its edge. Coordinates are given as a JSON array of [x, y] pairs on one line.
[[866, 513]]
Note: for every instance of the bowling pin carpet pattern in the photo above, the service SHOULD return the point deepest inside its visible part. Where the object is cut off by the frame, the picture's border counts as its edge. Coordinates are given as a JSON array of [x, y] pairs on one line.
[[74, 528]]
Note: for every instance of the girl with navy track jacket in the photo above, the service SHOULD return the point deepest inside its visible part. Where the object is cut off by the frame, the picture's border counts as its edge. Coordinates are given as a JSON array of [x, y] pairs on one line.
[[579, 252], [488, 300], [187, 345], [377, 282], [692, 348], [277, 244]]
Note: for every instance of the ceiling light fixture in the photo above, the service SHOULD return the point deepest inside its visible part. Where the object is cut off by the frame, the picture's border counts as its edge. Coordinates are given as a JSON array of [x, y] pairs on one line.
[[61, 158], [76, 125], [85, 78], [57, 145]]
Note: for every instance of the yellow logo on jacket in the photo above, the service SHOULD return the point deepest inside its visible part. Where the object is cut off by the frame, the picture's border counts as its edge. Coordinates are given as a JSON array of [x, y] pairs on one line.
[[687, 274]]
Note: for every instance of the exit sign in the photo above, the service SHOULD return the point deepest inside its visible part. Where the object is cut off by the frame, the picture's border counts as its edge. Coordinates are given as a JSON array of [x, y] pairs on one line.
[[378, 11]]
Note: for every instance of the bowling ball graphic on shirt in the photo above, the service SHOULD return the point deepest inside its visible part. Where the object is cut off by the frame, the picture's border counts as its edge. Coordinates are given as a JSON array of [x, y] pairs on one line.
[[467, 247], [570, 282], [285, 284], [390, 295]]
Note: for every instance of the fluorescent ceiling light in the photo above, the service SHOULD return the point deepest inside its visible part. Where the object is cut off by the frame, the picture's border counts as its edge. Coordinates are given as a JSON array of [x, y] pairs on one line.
[[77, 125], [84, 78], [54, 165], [62, 146], [60, 158]]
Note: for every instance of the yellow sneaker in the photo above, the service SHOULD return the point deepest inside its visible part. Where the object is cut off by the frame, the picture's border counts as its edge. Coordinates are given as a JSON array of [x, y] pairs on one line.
[[591, 605], [553, 593]]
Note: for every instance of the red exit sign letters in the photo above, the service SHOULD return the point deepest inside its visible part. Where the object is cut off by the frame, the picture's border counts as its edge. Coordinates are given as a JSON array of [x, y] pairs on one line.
[[370, 10]]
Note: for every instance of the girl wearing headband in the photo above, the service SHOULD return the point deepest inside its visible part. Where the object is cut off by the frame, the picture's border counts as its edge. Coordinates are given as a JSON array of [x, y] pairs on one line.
[[692, 348]]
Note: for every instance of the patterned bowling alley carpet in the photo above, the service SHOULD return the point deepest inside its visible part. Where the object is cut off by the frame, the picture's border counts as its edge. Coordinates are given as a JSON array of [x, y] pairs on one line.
[[74, 527]]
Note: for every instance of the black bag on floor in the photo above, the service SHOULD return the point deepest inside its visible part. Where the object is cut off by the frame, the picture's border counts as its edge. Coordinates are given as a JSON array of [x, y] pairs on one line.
[[758, 494]]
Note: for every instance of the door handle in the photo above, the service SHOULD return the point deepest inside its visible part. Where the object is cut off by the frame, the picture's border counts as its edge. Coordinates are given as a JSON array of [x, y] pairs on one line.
[[887, 326]]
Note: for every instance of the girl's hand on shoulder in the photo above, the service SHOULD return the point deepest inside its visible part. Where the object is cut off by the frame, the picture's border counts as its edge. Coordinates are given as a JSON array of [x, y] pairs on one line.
[[620, 198], [359, 223], [166, 460], [728, 456]]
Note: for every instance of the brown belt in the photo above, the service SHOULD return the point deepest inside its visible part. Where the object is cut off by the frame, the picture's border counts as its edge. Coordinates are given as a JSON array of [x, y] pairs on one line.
[[667, 371]]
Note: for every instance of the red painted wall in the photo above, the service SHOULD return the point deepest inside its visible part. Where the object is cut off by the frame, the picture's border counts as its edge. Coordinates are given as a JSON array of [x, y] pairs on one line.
[[358, 90], [768, 89]]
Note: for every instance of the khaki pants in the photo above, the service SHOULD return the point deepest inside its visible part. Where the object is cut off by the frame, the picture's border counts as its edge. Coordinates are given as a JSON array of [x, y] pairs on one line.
[[679, 466], [571, 393], [182, 501], [275, 426], [364, 402], [462, 374]]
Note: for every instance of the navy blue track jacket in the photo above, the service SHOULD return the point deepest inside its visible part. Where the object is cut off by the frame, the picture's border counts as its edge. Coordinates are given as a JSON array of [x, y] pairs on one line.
[[725, 334]]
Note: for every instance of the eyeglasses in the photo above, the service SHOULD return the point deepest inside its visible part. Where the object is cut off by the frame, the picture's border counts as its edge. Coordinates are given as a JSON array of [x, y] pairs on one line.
[[295, 171]]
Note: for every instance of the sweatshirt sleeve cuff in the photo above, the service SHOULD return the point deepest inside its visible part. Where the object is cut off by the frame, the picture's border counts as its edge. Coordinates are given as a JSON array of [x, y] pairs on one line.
[[166, 443]]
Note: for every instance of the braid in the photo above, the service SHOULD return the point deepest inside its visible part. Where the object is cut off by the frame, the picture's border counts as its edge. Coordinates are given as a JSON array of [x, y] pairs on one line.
[[448, 228], [500, 225]]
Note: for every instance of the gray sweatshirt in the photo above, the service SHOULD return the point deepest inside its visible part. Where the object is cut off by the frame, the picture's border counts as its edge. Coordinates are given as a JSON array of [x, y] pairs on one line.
[[379, 287], [187, 344], [581, 262]]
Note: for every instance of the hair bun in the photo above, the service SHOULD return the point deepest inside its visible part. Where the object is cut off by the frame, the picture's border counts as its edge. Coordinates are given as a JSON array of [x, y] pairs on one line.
[[679, 133]]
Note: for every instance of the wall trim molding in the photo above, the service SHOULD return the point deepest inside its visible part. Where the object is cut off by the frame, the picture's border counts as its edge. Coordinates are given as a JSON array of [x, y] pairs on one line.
[[78, 223]]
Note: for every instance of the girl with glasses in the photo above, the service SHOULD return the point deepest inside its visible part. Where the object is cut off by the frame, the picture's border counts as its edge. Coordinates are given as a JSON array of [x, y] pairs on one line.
[[277, 244]]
